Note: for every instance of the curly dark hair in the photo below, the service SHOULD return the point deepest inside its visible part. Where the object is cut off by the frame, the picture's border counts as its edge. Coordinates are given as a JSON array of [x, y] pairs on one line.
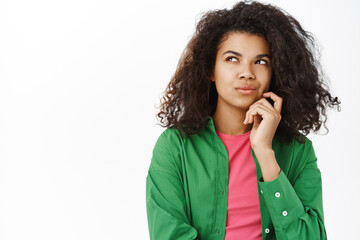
[[297, 76]]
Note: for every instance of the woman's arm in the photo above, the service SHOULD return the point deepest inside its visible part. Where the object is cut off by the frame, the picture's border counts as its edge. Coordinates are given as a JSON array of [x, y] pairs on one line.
[[165, 198], [297, 210]]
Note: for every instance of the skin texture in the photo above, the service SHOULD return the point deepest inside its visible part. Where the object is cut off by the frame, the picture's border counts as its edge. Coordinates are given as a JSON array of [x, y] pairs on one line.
[[232, 71], [237, 113]]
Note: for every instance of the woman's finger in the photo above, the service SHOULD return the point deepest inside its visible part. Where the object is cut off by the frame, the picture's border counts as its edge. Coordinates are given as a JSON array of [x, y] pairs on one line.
[[265, 103], [277, 100], [262, 102], [258, 110]]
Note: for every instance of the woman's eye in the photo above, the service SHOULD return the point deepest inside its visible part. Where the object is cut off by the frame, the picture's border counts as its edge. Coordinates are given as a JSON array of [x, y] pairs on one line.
[[231, 59], [261, 61]]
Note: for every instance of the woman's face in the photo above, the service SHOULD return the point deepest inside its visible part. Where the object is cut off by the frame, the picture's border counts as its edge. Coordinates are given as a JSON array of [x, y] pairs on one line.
[[242, 61]]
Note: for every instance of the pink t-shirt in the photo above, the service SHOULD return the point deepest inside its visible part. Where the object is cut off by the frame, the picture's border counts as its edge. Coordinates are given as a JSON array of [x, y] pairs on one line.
[[243, 213]]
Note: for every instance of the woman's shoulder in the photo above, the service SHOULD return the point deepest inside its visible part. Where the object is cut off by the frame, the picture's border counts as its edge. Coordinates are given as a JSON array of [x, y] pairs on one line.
[[169, 135], [294, 155], [169, 140], [302, 145], [163, 154], [300, 142], [175, 141]]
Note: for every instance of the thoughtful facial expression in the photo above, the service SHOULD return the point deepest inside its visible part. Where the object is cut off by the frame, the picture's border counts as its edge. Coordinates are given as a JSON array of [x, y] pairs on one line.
[[243, 62]]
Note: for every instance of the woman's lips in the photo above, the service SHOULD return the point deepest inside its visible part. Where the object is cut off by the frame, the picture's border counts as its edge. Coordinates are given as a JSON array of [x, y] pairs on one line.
[[246, 90]]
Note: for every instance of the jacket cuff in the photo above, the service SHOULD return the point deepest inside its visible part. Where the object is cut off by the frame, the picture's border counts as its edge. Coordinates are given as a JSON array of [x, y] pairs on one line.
[[281, 199]]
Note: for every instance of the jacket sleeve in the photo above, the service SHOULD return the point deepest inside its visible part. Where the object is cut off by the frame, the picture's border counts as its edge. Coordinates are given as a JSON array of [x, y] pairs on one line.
[[297, 210], [165, 198]]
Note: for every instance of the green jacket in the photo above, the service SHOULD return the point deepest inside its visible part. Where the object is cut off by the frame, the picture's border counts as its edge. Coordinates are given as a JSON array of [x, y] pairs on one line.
[[187, 189]]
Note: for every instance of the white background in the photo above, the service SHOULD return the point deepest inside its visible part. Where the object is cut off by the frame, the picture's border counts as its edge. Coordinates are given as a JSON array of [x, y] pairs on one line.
[[79, 81]]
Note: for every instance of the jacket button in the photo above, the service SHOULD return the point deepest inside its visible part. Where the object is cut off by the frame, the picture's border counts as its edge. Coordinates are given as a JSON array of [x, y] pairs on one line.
[[277, 194], [284, 213], [267, 230]]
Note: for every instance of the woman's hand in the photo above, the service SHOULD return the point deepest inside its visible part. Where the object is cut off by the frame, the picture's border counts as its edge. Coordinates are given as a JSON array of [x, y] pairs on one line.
[[263, 131]]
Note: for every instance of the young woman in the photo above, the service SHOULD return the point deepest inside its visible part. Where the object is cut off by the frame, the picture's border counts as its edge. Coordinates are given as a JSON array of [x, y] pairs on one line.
[[232, 163]]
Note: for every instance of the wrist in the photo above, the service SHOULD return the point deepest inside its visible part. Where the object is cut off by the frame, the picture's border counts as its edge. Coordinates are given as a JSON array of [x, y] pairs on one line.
[[264, 151], [269, 167]]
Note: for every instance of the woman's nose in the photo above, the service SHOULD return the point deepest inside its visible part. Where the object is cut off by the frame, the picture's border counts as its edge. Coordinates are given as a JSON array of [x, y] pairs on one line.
[[245, 72]]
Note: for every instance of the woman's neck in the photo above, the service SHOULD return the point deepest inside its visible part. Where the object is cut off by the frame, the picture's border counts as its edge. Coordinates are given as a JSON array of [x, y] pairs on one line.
[[230, 121]]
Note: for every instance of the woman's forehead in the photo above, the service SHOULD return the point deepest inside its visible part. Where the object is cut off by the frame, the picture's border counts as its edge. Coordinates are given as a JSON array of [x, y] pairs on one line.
[[244, 42]]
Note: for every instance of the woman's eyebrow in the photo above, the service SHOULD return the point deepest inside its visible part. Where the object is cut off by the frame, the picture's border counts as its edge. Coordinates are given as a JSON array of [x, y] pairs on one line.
[[239, 54]]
